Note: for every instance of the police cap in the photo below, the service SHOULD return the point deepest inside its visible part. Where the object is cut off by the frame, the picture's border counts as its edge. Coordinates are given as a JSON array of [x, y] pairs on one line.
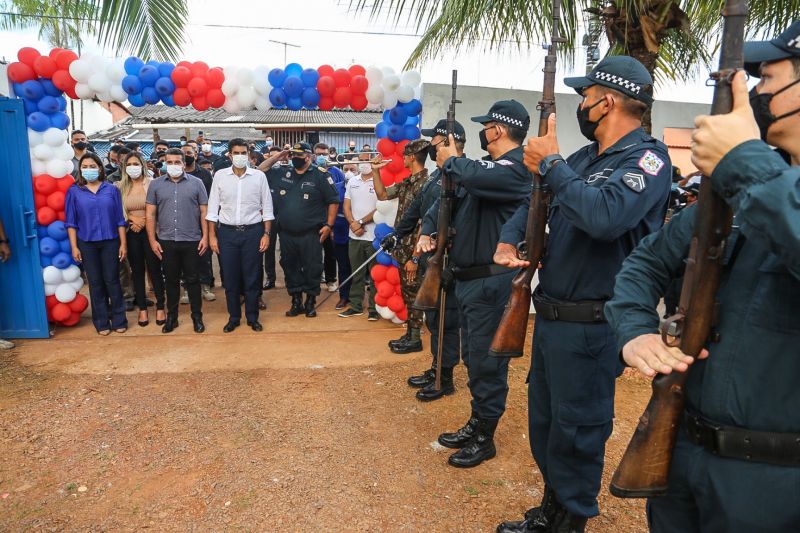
[[441, 129], [621, 73], [784, 46], [508, 112]]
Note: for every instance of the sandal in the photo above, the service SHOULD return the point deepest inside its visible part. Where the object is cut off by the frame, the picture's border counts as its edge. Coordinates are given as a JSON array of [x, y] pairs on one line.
[[104, 332]]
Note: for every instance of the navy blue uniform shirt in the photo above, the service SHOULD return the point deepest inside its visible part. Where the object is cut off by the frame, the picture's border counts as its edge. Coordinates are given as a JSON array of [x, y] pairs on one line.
[[602, 207], [300, 201]]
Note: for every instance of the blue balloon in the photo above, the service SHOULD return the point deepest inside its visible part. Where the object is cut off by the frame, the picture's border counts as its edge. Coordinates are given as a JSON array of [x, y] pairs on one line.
[[136, 100], [411, 132], [168, 100], [395, 133], [48, 104], [49, 247], [276, 77], [381, 130], [293, 87], [414, 107], [412, 120], [45, 261], [32, 90], [62, 260], [277, 97], [165, 69], [38, 121], [59, 120], [294, 103], [310, 77], [386, 116], [376, 243], [132, 84], [65, 246], [294, 69], [153, 63], [398, 115], [62, 103], [49, 87], [150, 95], [310, 98], [148, 75], [164, 86], [384, 259], [395, 263], [30, 106], [57, 230], [41, 231], [132, 65], [382, 230]]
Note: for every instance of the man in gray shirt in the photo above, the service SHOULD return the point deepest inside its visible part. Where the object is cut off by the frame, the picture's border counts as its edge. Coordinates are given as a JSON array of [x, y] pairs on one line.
[[176, 211]]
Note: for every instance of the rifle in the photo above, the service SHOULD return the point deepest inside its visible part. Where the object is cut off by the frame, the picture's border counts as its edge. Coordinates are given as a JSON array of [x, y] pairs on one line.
[[509, 339], [644, 469], [428, 292]]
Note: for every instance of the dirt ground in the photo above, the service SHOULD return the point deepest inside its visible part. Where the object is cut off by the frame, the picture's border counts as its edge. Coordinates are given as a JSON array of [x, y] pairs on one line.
[[307, 426]]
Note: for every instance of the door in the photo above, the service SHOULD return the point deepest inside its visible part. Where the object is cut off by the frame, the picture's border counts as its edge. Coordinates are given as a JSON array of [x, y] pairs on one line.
[[22, 308]]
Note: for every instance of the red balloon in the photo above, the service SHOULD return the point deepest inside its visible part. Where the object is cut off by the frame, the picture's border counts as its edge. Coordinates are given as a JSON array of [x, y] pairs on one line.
[[326, 86], [62, 216], [358, 102], [200, 103], [45, 67], [28, 55], [56, 201], [60, 312], [396, 165], [393, 275], [380, 300], [73, 319], [396, 303], [63, 184], [342, 78], [341, 98], [402, 314], [65, 58], [387, 176], [199, 68], [62, 80], [46, 216], [359, 84], [39, 200], [325, 70], [71, 93], [385, 289], [386, 147], [400, 147], [54, 52], [325, 103], [181, 76], [215, 78], [197, 87], [403, 174], [357, 70], [215, 98], [50, 301], [181, 97], [187, 64], [44, 184], [378, 273], [20, 72], [79, 304]]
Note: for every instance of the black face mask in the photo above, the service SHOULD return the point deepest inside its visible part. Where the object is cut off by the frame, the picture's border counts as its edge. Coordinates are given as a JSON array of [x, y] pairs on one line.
[[432, 152], [588, 128], [484, 141], [190, 159], [298, 162], [81, 145], [760, 104]]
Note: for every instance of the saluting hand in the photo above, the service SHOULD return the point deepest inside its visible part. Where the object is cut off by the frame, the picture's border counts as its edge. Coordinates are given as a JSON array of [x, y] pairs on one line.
[[714, 136], [506, 255], [443, 153], [540, 147], [649, 355]]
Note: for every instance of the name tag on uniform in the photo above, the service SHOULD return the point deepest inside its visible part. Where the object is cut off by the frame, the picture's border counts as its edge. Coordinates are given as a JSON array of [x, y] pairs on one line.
[[308, 185]]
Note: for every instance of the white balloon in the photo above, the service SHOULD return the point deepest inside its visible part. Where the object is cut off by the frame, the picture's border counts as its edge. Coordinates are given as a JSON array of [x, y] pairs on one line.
[[54, 276], [99, 83], [387, 71], [260, 81], [411, 78], [54, 137], [64, 152], [80, 70], [375, 94], [118, 93], [385, 312], [77, 284], [389, 99], [35, 137], [116, 70], [42, 151], [391, 83], [38, 167], [69, 274], [388, 209], [405, 94], [229, 87], [396, 320], [105, 96], [50, 288], [262, 103], [374, 75], [245, 76], [55, 168], [83, 91], [231, 105], [65, 293], [98, 63], [246, 96]]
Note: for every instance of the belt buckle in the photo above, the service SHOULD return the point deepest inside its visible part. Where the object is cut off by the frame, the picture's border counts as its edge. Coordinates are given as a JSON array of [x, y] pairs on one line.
[[240, 228]]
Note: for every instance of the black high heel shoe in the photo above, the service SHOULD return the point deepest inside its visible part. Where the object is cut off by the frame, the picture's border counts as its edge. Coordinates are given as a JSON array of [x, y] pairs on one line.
[[160, 322], [143, 323]]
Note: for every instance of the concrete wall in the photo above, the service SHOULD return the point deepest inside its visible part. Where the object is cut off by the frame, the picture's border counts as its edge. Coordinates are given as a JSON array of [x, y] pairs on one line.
[[477, 100]]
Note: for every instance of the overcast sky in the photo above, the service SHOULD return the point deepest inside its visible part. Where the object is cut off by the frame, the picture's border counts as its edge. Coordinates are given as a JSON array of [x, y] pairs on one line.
[[248, 45]]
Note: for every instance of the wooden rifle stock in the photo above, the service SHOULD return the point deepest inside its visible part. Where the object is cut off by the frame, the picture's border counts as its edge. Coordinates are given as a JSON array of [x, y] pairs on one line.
[[644, 470], [509, 339]]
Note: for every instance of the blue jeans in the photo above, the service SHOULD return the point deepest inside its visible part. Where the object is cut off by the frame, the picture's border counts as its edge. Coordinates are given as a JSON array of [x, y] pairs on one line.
[[101, 264]]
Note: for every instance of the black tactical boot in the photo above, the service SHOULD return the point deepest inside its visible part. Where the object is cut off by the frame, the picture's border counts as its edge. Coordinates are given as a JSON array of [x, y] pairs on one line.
[[566, 522], [538, 519], [401, 340], [430, 393], [311, 303], [479, 448], [297, 305], [461, 437], [413, 343], [422, 380]]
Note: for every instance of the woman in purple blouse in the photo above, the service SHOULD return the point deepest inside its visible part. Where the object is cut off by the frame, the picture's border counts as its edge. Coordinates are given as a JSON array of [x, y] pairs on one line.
[[96, 226]]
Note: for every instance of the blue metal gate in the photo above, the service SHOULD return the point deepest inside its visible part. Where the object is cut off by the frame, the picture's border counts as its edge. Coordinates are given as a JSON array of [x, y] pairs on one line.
[[22, 306]]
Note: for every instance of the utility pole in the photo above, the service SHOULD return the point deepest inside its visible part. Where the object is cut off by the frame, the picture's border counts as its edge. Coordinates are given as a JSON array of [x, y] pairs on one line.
[[591, 39], [285, 46]]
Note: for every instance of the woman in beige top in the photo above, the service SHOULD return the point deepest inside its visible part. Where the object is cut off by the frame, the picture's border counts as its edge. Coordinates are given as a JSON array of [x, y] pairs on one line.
[[133, 185]]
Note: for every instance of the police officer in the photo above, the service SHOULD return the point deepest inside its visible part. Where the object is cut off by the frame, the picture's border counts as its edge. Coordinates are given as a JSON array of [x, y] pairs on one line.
[[408, 224], [489, 191], [305, 203], [735, 464], [606, 197]]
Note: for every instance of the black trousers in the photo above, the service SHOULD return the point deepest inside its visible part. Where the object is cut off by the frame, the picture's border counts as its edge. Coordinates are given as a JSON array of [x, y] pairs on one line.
[[142, 259], [241, 260], [329, 259], [343, 261], [269, 259], [301, 261], [181, 259], [451, 345], [206, 276]]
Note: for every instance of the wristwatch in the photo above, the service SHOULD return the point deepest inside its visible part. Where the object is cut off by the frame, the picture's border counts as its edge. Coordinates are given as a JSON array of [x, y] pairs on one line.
[[328, 225], [549, 162], [415, 259], [360, 222], [267, 233]]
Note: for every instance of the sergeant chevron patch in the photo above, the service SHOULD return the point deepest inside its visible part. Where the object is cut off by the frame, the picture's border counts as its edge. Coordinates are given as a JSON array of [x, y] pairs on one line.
[[634, 181]]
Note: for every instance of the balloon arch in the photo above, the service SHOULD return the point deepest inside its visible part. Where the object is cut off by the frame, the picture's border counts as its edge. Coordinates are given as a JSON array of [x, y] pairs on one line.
[[43, 81]]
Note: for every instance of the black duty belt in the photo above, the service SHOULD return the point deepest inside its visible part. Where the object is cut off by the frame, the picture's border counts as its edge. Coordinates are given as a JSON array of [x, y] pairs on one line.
[[585, 311], [477, 272], [782, 449], [243, 227]]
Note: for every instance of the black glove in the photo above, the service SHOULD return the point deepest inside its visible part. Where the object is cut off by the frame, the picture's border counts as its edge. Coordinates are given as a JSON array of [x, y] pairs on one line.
[[389, 242]]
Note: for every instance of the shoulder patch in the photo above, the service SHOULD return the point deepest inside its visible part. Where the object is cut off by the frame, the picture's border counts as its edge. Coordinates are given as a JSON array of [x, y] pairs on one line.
[[651, 163], [634, 181], [487, 164], [505, 162]]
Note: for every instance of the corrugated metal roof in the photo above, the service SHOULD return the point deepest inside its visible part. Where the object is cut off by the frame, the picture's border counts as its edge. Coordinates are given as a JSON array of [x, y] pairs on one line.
[[162, 114]]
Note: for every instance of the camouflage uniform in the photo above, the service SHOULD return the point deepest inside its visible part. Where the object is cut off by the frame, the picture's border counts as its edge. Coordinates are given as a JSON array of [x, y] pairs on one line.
[[405, 191]]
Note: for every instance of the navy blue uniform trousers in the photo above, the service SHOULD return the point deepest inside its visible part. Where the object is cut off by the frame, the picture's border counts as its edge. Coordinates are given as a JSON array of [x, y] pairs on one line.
[[571, 407], [480, 307], [241, 261], [100, 260], [451, 340], [301, 261]]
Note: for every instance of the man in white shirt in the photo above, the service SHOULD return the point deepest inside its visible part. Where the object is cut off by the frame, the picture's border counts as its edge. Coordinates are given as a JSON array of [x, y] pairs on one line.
[[359, 206], [241, 206]]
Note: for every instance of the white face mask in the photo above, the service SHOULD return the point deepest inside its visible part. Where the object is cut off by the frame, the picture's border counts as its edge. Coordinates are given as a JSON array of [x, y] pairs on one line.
[[239, 160], [134, 171], [206, 147], [349, 174], [365, 168], [174, 170]]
